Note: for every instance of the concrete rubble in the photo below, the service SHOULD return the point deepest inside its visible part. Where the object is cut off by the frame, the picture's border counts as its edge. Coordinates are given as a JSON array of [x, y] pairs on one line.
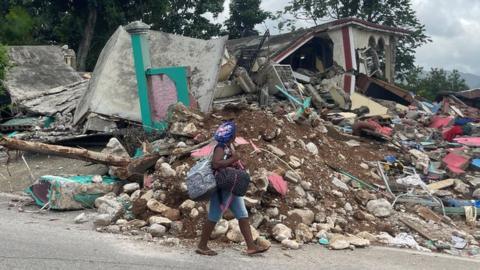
[[360, 170]]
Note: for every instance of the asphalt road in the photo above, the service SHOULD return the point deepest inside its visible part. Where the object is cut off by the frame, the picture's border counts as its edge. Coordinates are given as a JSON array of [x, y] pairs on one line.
[[53, 241]]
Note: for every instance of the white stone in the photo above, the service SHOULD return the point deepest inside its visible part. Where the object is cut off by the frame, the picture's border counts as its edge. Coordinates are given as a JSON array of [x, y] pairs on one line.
[[303, 233], [166, 171], [187, 206], [295, 162], [339, 244], [82, 218], [157, 206], [306, 185], [307, 215], [235, 235], [159, 220], [290, 244], [348, 207], [102, 220], [281, 232], [109, 205], [181, 145], [194, 213], [461, 187], [131, 187], [292, 177], [157, 230], [276, 150], [312, 148], [97, 179], [272, 212], [300, 192], [338, 183], [380, 208], [135, 195], [256, 220], [220, 230]]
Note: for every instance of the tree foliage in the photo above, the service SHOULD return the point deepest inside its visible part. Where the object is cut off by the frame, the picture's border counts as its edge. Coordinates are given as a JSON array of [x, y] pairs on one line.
[[3, 61], [435, 81], [16, 26], [244, 15], [394, 13], [86, 25]]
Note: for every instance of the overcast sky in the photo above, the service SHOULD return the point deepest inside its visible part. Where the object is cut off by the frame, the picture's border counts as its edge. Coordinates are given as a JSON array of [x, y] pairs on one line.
[[453, 25]]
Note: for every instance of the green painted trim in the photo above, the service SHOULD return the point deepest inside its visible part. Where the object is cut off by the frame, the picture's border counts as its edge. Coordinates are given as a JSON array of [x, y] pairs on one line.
[[141, 58]]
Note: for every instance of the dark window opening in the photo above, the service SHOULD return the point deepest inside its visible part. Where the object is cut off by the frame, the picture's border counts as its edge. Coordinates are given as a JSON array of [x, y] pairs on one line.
[[316, 55]]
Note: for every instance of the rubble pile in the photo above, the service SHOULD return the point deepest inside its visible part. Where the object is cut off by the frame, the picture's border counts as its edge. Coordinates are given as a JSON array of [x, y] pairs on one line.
[[340, 187]]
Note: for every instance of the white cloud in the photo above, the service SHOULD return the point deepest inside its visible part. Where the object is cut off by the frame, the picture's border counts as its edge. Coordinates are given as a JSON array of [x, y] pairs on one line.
[[453, 27]]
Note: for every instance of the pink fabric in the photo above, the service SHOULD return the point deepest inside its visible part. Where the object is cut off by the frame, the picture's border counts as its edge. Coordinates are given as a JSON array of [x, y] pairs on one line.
[[439, 122], [380, 129], [470, 141], [278, 183], [240, 141], [455, 162], [203, 152]]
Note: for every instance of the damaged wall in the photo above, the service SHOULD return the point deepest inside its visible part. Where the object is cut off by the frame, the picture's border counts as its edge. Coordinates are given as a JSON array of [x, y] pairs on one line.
[[114, 74]]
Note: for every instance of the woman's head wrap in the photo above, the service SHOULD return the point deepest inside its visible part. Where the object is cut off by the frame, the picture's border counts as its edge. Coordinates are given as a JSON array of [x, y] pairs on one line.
[[225, 132]]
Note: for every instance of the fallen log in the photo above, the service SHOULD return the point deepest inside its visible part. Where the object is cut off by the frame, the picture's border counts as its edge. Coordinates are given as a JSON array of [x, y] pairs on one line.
[[63, 151], [129, 167]]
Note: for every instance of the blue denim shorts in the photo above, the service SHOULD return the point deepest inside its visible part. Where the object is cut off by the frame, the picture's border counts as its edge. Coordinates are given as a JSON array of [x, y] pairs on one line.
[[237, 206]]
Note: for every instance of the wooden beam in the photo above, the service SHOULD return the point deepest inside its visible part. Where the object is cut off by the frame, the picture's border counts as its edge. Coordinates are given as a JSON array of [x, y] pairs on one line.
[[63, 151]]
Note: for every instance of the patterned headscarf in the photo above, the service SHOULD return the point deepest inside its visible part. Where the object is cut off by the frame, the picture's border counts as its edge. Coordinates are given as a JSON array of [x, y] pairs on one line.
[[225, 132]]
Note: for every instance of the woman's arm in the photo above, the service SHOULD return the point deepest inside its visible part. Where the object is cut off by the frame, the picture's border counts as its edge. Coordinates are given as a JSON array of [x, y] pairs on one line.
[[218, 162]]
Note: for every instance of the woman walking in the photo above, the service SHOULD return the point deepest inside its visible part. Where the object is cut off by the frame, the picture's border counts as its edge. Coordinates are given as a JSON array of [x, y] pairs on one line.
[[224, 158]]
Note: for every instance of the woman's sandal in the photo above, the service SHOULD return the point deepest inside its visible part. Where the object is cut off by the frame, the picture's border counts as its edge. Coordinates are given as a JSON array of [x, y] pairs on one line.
[[206, 252], [257, 251]]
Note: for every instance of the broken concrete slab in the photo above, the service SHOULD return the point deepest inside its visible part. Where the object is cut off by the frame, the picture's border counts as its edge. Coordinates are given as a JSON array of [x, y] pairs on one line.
[[114, 74], [62, 99], [35, 70], [375, 108], [441, 184]]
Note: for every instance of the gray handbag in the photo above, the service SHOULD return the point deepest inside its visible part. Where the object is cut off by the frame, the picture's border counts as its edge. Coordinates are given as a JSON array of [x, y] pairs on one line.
[[200, 180]]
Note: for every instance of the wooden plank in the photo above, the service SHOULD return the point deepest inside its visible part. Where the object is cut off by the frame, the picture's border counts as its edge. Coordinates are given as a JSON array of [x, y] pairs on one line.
[[420, 230], [428, 214], [441, 184]]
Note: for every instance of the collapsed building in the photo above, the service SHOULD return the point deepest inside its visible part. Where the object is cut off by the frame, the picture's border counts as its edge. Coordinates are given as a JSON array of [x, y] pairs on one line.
[[337, 155]]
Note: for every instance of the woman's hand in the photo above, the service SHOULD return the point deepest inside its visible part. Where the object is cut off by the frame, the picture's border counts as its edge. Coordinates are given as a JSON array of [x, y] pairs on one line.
[[235, 157]]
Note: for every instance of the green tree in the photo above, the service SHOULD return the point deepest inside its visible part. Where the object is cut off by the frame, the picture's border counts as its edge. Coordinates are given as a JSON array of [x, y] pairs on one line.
[[244, 15], [3, 61], [394, 13], [86, 25], [437, 80], [16, 27]]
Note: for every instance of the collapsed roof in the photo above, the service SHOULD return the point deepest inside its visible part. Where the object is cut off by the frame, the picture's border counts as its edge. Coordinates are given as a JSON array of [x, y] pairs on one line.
[[112, 91], [278, 45], [35, 70]]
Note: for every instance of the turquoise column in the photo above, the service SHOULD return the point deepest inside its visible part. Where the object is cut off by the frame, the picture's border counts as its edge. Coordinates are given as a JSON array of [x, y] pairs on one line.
[[141, 57]]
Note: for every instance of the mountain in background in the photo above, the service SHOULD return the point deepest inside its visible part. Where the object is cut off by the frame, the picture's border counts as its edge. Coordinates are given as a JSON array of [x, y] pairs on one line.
[[472, 80]]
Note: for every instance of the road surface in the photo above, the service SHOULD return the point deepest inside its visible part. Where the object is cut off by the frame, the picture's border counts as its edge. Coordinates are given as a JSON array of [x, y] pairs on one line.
[[52, 241]]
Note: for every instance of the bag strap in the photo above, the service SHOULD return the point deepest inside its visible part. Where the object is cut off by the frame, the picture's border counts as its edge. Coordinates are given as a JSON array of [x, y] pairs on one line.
[[225, 207]]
